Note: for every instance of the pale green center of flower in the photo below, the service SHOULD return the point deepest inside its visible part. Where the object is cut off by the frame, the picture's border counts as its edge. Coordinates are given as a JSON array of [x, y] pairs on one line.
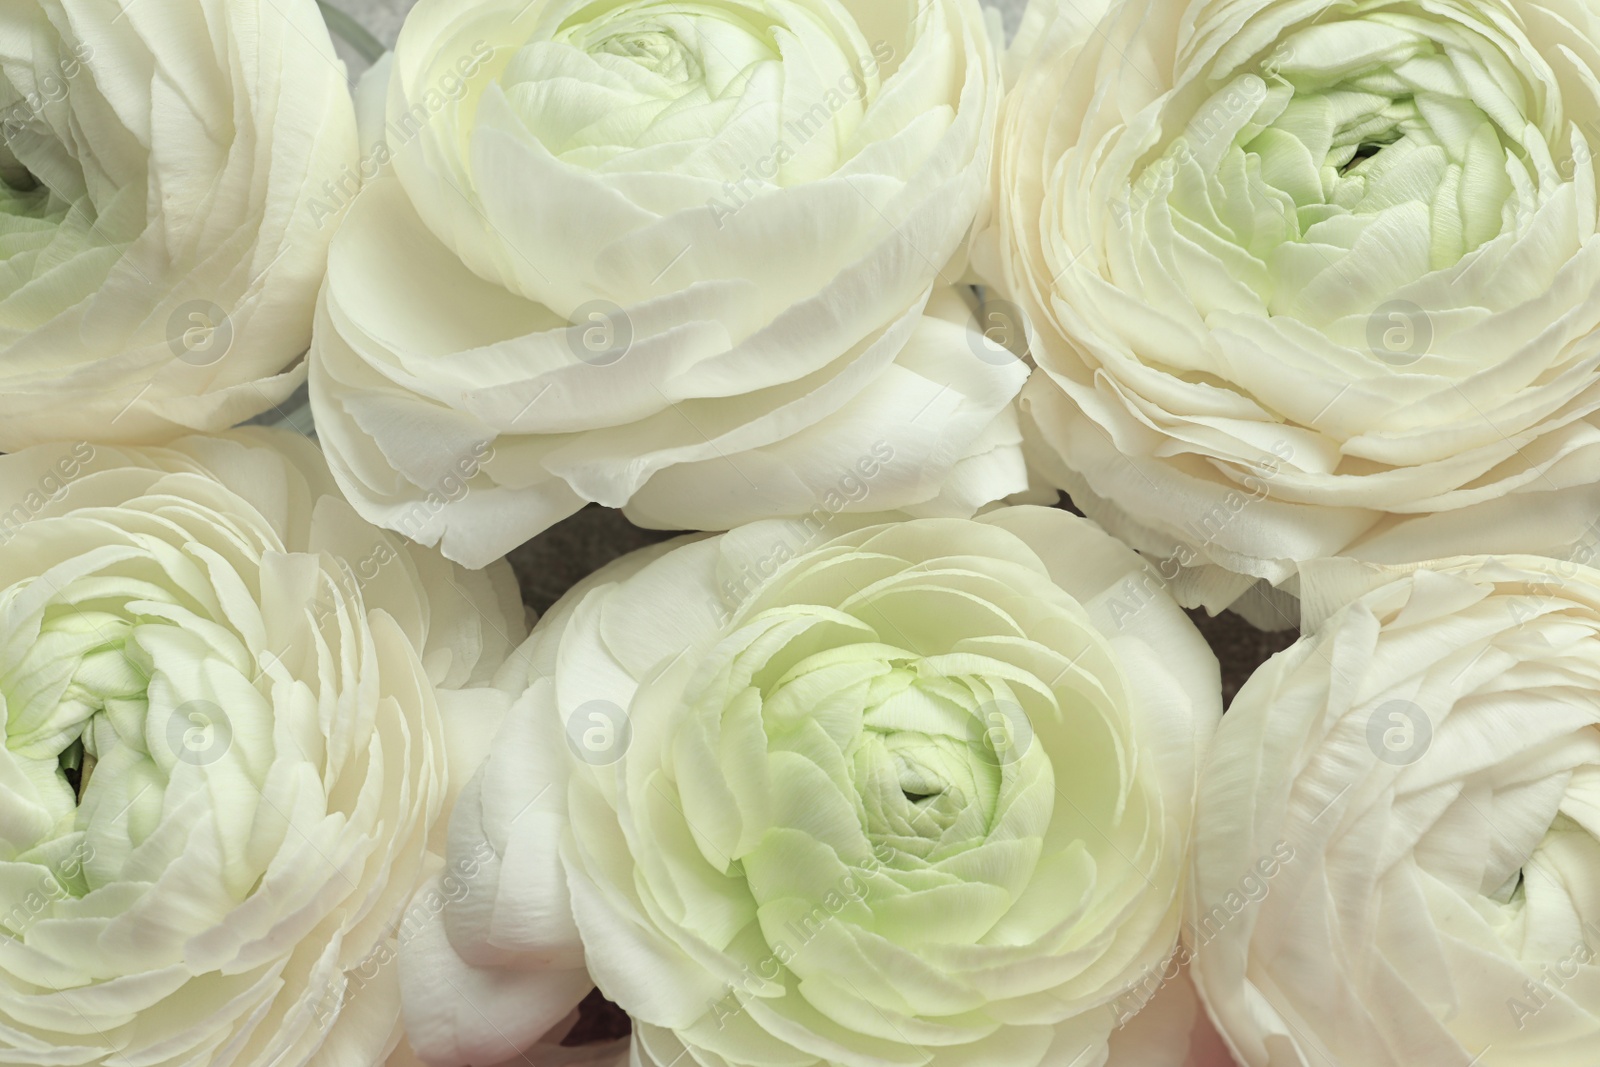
[[109, 693], [651, 75], [31, 218], [887, 777], [22, 194], [1358, 155], [78, 682], [686, 44], [659, 51], [736, 91], [76, 703], [925, 787], [917, 752], [63, 225]]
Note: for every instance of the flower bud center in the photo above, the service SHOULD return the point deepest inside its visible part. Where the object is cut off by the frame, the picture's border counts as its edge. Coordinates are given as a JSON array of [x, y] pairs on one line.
[[659, 51], [79, 689], [926, 788], [26, 203], [14, 174], [1390, 144]]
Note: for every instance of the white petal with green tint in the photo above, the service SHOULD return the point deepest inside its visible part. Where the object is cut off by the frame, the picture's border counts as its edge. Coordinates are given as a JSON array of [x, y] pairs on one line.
[[224, 753], [736, 189], [920, 792], [167, 195], [1299, 270]]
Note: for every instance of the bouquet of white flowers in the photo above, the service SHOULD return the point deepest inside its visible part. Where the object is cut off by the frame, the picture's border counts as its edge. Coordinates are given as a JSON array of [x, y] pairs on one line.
[[753, 513]]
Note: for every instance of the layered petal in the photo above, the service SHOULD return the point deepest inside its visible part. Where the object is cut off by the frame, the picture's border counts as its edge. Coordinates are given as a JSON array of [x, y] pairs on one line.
[[1307, 280], [697, 261], [228, 706], [170, 178], [915, 793], [1396, 852]]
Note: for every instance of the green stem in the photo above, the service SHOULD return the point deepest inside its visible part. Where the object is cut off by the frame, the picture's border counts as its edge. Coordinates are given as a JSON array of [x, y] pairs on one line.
[[352, 33]]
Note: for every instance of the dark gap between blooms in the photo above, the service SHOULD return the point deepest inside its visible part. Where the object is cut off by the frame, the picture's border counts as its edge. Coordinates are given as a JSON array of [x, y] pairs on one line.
[[1239, 647], [599, 1020], [550, 564], [564, 555]]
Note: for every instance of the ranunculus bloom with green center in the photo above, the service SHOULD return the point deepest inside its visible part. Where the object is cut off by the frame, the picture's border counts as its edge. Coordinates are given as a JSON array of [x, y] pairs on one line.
[[695, 260], [226, 703], [1308, 280], [919, 796], [160, 246]]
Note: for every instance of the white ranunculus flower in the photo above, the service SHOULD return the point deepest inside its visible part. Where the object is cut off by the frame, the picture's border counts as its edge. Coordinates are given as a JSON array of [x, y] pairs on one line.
[[1429, 755], [691, 259], [160, 241], [916, 794], [230, 706], [1308, 279]]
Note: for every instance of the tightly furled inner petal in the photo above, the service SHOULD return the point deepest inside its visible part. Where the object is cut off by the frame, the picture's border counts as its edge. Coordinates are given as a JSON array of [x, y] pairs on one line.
[[1384, 145], [702, 89]]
